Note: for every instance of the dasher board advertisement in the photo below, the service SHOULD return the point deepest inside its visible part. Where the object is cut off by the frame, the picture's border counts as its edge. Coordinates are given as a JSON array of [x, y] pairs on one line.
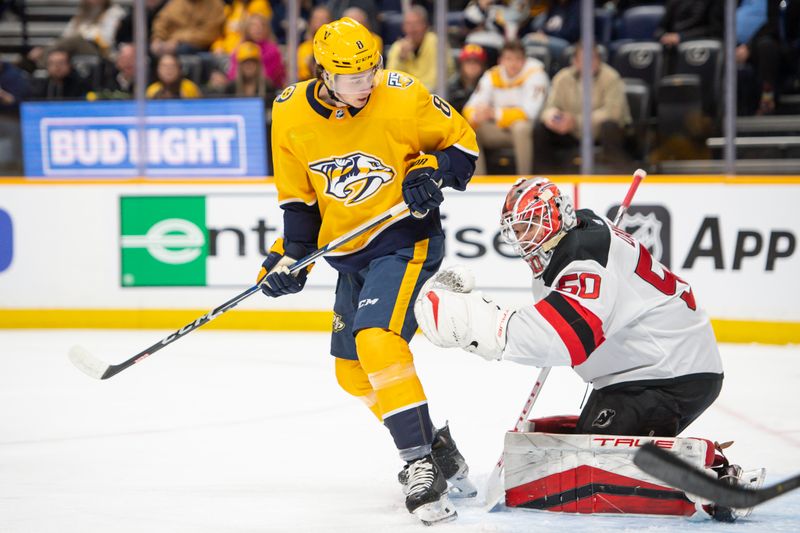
[[182, 138]]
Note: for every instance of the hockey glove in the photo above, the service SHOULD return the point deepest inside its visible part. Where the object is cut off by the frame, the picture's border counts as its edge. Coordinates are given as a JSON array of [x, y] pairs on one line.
[[455, 278], [275, 278], [464, 320], [421, 186]]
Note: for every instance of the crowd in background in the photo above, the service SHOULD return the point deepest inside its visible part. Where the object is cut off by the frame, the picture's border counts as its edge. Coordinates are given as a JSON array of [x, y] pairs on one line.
[[212, 48]]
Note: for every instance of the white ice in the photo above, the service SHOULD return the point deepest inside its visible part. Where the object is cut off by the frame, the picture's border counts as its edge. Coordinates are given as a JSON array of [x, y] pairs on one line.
[[249, 432]]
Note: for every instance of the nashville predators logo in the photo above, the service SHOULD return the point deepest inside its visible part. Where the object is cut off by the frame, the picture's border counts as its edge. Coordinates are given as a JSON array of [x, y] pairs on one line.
[[353, 177]]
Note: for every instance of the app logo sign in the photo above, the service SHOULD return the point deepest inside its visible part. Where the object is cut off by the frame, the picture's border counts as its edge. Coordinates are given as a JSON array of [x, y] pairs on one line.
[[195, 240], [6, 240], [164, 241], [650, 225]]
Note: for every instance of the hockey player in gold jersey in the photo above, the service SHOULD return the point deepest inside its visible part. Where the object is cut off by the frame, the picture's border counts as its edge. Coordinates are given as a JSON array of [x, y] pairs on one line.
[[346, 147]]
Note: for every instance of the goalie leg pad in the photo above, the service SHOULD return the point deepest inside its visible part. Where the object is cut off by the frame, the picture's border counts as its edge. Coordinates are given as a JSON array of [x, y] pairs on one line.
[[594, 474]]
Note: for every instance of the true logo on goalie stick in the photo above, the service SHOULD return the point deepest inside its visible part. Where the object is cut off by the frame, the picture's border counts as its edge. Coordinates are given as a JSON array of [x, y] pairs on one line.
[[604, 419], [353, 177]]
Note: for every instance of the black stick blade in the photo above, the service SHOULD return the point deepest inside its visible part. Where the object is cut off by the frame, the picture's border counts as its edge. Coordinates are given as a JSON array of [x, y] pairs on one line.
[[681, 475]]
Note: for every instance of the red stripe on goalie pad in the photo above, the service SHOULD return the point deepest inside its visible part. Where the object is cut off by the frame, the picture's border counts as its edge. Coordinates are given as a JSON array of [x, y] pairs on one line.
[[563, 424], [590, 490]]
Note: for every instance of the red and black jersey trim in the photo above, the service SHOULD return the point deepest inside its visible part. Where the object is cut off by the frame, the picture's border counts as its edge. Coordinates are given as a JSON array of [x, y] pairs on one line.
[[579, 328], [590, 240]]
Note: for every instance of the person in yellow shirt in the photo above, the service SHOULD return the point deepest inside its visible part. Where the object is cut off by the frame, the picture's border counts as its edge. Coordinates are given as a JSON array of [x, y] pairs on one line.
[[348, 146], [171, 83], [235, 14], [416, 51]]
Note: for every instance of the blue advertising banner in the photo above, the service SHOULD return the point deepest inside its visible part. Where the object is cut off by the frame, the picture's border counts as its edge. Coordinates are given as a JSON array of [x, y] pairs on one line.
[[183, 138]]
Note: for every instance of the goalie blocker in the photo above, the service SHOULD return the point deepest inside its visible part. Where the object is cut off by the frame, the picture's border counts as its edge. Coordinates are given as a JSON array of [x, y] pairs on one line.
[[550, 469]]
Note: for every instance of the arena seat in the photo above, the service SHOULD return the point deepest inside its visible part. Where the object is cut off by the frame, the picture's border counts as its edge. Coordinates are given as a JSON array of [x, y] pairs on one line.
[[639, 23], [704, 58], [640, 60], [637, 92]]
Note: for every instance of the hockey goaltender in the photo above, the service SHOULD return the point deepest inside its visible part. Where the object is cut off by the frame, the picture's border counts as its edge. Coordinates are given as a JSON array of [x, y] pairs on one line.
[[627, 325]]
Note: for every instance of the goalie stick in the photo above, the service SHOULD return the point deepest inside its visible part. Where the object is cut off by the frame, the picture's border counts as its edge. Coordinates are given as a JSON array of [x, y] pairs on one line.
[[494, 484], [675, 472], [99, 369]]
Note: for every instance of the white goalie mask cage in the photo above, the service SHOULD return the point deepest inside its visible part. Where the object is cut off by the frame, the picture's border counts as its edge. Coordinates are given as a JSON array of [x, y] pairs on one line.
[[536, 215]]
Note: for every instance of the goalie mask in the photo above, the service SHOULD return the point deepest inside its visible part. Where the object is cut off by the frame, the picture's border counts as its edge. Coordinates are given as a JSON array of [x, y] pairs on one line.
[[536, 216]]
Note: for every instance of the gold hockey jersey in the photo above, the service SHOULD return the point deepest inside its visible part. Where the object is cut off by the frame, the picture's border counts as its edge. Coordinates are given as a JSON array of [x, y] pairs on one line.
[[350, 162]]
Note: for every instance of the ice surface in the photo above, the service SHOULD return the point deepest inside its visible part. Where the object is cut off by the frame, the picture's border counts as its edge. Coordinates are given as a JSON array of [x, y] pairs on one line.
[[249, 432]]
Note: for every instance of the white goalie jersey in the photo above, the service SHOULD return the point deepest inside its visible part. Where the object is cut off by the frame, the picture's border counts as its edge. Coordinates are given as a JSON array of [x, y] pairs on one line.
[[605, 307]]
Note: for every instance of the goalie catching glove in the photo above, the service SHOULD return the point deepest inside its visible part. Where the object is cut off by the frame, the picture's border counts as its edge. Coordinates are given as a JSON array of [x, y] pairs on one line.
[[464, 320], [275, 278]]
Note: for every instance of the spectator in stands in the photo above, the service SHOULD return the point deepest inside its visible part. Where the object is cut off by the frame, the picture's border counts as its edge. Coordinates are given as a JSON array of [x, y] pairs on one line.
[[280, 17], [306, 66], [236, 12], [416, 51], [561, 123], [170, 82], [14, 88], [187, 26], [250, 79], [370, 7], [471, 65], [125, 29], [61, 81], [120, 84], [757, 45], [92, 31], [257, 30], [559, 27], [509, 18], [505, 105], [685, 20]]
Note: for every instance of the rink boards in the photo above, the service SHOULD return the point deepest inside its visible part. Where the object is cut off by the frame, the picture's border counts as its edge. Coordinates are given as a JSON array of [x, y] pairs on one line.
[[157, 254]]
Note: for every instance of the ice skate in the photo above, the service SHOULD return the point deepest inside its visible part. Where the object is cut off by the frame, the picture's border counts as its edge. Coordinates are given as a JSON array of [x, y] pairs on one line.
[[452, 464], [426, 492], [734, 475]]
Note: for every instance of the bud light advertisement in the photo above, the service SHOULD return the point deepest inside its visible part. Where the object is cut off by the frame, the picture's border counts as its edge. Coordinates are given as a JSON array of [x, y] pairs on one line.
[[182, 138]]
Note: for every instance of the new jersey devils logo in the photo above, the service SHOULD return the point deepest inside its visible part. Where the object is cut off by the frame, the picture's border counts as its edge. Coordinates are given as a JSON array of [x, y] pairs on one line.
[[353, 177], [604, 418]]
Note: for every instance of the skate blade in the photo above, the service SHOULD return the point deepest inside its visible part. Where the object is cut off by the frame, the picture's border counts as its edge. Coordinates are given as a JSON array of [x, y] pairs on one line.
[[752, 479], [461, 487], [436, 512]]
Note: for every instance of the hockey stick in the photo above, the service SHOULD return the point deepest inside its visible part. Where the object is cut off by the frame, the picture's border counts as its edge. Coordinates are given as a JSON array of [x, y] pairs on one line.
[[638, 176], [674, 471], [494, 485], [99, 369]]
